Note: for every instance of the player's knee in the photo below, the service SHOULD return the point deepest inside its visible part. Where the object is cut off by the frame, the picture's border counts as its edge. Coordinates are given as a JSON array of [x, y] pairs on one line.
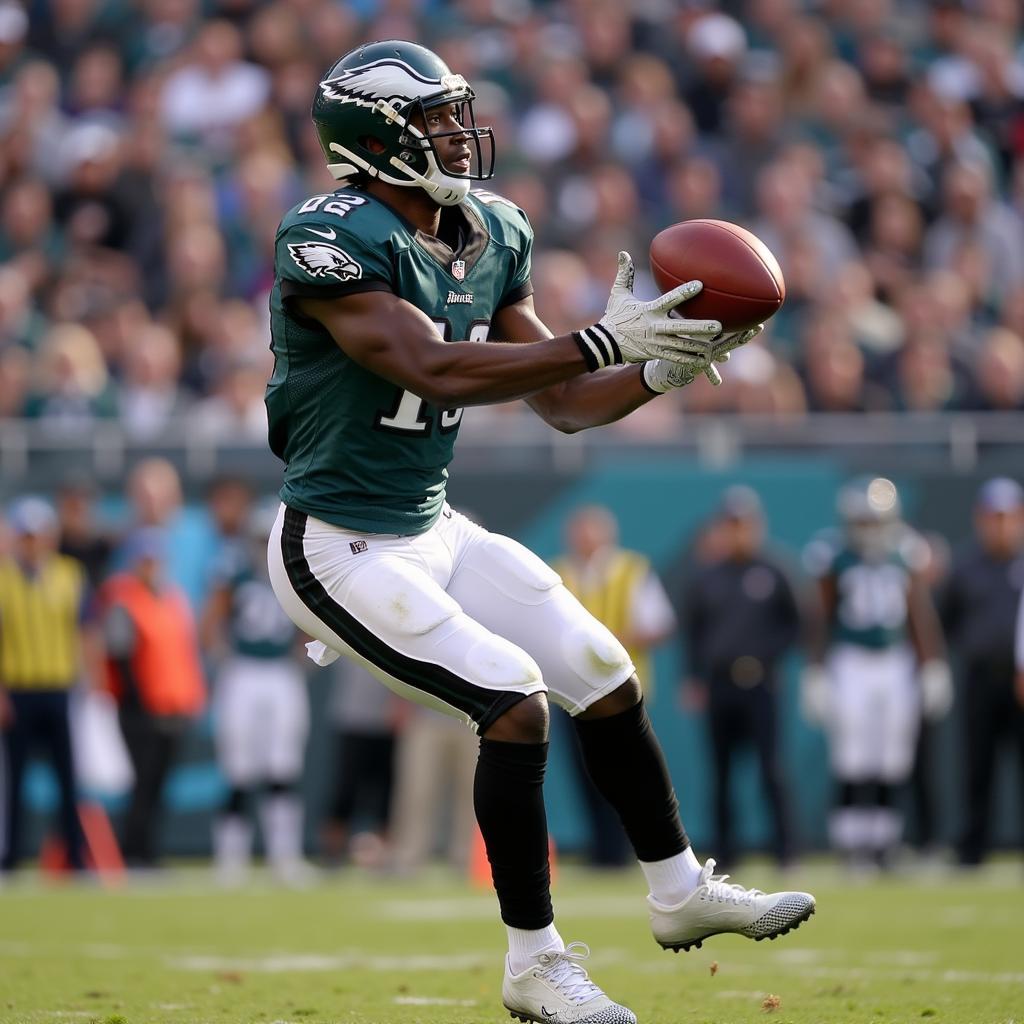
[[524, 722], [281, 786], [237, 801], [622, 698], [594, 653]]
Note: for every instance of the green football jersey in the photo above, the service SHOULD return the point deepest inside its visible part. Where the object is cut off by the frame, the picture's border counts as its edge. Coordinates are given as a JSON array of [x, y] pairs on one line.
[[360, 451], [258, 627], [871, 595]]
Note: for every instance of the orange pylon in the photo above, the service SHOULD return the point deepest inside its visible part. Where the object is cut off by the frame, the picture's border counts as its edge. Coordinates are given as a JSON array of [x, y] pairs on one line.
[[102, 853], [480, 866]]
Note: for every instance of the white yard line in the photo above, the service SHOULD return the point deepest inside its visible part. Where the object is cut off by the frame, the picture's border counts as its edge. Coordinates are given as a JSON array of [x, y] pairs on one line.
[[480, 908], [432, 1001], [345, 961]]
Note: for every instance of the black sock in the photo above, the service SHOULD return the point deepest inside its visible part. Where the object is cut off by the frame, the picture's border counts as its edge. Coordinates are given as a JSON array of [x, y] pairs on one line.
[[508, 796], [236, 802], [626, 763]]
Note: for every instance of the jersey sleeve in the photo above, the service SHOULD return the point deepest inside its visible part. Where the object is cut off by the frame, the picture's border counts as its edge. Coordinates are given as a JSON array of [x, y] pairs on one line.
[[512, 230], [315, 258], [519, 285], [819, 556]]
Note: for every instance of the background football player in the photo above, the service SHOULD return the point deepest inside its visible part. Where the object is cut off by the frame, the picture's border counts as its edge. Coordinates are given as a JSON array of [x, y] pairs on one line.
[[384, 293], [879, 665], [261, 710]]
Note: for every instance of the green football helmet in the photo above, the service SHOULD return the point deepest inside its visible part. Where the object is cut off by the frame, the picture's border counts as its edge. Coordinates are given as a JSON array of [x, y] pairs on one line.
[[373, 92]]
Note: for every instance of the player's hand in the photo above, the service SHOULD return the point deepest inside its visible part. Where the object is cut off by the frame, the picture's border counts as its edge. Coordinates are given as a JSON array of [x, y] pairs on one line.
[[632, 331], [663, 375], [814, 694], [936, 689]]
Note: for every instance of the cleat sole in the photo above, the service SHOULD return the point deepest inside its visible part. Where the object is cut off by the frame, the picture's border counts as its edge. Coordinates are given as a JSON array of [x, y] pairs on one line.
[[697, 943]]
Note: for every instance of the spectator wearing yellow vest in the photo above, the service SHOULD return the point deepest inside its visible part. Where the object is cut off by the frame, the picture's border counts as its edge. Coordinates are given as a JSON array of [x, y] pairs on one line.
[[620, 588], [153, 669], [42, 603]]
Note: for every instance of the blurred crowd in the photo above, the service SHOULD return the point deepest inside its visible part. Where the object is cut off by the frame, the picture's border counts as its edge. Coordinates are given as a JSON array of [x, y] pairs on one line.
[[120, 679], [149, 149]]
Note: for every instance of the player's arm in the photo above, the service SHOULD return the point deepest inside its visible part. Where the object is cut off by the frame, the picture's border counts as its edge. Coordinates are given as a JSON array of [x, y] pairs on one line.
[[212, 623], [583, 401], [814, 687], [393, 339], [820, 624], [925, 631], [397, 341], [923, 621]]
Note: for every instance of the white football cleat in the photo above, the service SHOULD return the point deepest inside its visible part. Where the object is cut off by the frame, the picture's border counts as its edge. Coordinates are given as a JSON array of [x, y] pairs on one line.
[[557, 990], [718, 906]]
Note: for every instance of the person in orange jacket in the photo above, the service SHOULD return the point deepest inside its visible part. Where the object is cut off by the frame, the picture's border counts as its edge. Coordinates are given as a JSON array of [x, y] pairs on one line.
[[154, 671]]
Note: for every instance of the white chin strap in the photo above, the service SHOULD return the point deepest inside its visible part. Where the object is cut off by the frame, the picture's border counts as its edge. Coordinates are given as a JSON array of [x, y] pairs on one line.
[[444, 189]]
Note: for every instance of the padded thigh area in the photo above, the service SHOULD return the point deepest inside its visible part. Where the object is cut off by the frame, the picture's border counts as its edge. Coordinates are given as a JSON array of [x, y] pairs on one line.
[[511, 569], [394, 595]]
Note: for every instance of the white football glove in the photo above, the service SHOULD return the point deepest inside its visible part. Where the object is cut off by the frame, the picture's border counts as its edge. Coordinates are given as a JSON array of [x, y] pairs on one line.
[[632, 331], [814, 694], [936, 682], [661, 375]]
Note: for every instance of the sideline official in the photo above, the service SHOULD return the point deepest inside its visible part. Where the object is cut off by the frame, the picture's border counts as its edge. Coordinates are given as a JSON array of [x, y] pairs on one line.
[[979, 608], [42, 601], [741, 618]]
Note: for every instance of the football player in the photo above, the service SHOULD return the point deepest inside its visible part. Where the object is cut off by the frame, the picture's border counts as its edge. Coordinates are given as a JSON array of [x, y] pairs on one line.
[[261, 710], [880, 664], [385, 292]]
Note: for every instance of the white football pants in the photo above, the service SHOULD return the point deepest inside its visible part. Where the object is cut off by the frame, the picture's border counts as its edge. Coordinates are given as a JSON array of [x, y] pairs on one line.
[[456, 618]]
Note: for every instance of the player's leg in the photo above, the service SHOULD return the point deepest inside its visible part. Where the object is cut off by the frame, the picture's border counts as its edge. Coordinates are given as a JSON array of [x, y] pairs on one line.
[[722, 728], [18, 741], [239, 719], [853, 744], [589, 673], [897, 727], [762, 718], [980, 727], [144, 744], [382, 601], [281, 810], [56, 731]]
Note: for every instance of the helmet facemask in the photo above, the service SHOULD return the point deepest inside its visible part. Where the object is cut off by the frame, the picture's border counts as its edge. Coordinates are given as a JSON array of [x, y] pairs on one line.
[[410, 156]]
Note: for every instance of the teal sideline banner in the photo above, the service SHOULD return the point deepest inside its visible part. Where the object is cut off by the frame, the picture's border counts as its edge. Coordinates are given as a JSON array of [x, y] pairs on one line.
[[660, 503]]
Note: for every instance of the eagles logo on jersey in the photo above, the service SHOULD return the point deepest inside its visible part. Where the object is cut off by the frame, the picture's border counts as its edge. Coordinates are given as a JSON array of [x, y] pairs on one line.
[[318, 259]]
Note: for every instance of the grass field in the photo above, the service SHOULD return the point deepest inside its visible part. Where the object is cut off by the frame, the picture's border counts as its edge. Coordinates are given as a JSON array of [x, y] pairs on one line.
[[939, 948]]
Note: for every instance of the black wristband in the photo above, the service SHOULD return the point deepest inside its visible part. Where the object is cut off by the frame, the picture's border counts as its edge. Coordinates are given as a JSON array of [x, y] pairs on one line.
[[599, 347]]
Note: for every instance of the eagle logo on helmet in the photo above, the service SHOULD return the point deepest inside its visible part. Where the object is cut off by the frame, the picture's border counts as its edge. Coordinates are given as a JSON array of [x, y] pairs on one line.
[[393, 81], [321, 260]]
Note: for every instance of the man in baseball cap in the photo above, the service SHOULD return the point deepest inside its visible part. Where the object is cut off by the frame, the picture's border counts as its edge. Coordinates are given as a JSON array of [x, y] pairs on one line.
[[979, 610], [42, 598]]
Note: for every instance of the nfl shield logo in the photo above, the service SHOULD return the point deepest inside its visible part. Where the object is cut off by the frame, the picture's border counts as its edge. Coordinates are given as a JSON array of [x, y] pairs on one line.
[[458, 269]]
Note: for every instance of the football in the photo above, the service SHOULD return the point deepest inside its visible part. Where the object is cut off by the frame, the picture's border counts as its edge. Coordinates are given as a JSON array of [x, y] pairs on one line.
[[743, 282]]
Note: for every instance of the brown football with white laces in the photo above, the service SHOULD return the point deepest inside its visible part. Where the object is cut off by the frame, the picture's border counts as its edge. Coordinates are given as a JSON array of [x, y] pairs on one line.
[[743, 282]]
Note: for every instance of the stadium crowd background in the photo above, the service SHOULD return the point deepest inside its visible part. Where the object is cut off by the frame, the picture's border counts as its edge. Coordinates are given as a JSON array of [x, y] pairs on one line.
[[149, 149]]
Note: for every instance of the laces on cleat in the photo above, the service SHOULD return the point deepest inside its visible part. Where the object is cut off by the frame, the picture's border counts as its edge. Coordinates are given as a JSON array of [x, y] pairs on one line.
[[564, 969], [723, 891]]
